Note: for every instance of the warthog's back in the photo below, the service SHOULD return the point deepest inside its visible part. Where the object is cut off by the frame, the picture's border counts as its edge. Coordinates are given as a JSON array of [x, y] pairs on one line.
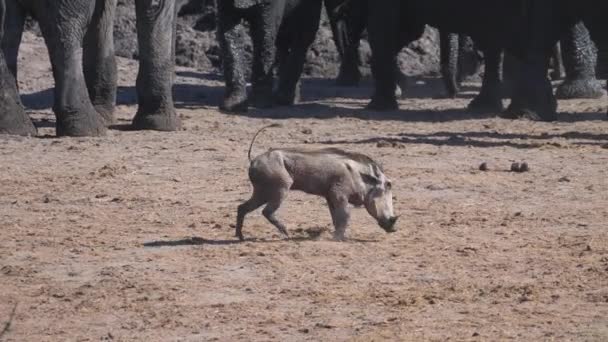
[[312, 171]]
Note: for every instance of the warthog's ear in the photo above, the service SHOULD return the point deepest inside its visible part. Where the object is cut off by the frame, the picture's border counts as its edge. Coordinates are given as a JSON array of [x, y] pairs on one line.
[[369, 179]]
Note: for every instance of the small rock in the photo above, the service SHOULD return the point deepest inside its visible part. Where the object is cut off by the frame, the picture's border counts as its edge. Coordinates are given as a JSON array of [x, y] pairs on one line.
[[304, 330], [475, 334], [524, 167], [307, 131], [483, 166], [515, 167], [564, 179]]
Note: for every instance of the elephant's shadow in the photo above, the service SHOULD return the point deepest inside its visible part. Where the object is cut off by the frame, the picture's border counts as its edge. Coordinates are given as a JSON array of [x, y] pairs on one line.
[[321, 99], [184, 95]]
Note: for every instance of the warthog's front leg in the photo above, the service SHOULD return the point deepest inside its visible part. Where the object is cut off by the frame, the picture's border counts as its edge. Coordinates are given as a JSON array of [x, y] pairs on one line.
[[340, 214]]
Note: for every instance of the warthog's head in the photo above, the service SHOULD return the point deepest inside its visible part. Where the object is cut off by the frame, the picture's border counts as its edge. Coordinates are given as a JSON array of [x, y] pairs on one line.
[[379, 199]]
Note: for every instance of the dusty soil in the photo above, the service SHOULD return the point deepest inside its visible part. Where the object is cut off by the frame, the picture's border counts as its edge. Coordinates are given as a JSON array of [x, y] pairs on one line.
[[130, 236]]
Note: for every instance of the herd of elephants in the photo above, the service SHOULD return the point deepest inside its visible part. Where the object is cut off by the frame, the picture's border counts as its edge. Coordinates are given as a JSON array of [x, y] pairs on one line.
[[516, 37]]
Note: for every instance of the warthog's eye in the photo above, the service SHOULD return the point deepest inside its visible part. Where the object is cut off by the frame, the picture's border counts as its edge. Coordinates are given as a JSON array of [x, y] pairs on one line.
[[389, 185]]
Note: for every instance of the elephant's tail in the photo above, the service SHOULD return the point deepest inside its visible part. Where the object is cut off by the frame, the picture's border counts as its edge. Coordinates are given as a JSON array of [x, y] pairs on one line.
[[256, 135]]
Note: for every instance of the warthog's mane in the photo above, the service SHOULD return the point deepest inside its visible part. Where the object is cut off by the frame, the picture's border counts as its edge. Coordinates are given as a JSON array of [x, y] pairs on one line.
[[358, 157]]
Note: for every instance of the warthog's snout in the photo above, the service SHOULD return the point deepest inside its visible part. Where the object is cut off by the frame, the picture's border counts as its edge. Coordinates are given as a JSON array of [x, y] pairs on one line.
[[389, 224]]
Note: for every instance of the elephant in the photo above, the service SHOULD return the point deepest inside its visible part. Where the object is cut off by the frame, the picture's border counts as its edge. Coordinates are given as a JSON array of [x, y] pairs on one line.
[[574, 56], [527, 30], [348, 19], [282, 29], [13, 119], [79, 37]]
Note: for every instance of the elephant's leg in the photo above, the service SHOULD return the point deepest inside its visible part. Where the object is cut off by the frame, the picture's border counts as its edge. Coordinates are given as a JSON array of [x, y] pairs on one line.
[[64, 33], [230, 37], [532, 95], [448, 49], [469, 59], [347, 19], [301, 26], [264, 27], [383, 23], [13, 119], [99, 62], [489, 99], [579, 61], [155, 26], [13, 24], [557, 63]]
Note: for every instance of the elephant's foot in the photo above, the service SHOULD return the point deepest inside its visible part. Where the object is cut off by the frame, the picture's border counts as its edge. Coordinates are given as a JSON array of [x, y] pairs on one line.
[[106, 113], [16, 122], [589, 88], [80, 124], [287, 98], [486, 103], [514, 113], [235, 102], [158, 121], [383, 103], [518, 111], [533, 100], [262, 98], [348, 78]]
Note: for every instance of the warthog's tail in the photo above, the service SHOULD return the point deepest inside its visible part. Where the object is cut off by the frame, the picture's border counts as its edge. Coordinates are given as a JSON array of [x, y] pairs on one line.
[[256, 135]]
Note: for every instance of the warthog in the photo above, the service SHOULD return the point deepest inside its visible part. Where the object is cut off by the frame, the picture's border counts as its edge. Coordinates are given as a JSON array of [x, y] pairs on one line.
[[339, 176]]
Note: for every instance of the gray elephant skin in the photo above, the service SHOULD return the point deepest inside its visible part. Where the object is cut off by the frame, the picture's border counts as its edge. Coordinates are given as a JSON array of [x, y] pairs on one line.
[[79, 37], [281, 29], [13, 119]]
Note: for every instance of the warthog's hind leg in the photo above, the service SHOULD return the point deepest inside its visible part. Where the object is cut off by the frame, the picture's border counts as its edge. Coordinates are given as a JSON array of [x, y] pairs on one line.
[[273, 205], [256, 201]]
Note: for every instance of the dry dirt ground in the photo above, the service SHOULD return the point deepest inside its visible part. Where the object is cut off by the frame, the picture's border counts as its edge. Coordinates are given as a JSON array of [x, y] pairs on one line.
[[130, 236]]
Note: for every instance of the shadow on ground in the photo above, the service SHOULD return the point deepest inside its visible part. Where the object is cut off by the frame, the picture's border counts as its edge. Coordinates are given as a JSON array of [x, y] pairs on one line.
[[480, 139]]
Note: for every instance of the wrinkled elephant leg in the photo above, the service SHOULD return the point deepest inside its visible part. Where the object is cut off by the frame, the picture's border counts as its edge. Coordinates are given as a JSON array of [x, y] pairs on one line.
[[230, 36], [579, 61], [13, 119], [557, 63], [383, 22], [301, 26], [347, 20], [99, 62], [448, 50], [155, 26], [489, 99], [73, 109], [14, 22], [264, 26]]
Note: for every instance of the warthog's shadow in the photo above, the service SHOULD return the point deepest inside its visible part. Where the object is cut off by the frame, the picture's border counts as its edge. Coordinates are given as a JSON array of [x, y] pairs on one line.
[[196, 241]]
